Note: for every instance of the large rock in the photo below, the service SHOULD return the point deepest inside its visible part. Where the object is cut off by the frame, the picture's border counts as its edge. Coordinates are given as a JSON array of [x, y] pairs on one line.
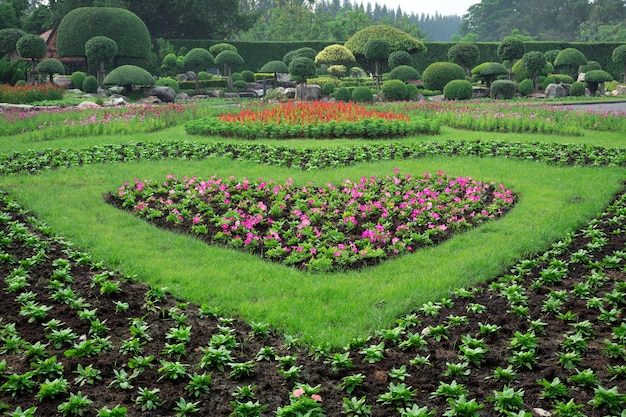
[[115, 100], [62, 81], [480, 92], [620, 90], [310, 92], [557, 90], [164, 93], [149, 100], [289, 92], [87, 105]]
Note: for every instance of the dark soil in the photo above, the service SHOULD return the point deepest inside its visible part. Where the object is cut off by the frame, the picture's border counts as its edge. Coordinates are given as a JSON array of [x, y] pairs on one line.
[[271, 388]]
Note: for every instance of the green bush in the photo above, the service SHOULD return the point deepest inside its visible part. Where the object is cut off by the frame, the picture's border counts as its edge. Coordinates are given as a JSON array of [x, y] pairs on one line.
[[20, 83], [90, 85], [328, 88], [458, 90], [168, 82], [213, 83], [237, 76], [203, 75], [525, 87], [129, 75], [411, 91], [438, 74], [394, 90], [590, 66], [123, 26], [362, 95], [404, 73], [502, 89], [247, 76], [562, 78], [398, 58], [343, 94], [547, 81], [240, 85], [12, 71], [78, 78], [578, 89]]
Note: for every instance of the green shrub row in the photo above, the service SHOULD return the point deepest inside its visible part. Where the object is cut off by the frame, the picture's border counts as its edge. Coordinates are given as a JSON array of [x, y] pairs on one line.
[[374, 128], [215, 82]]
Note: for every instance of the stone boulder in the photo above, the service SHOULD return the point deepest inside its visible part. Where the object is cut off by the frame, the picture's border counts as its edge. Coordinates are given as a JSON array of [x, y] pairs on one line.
[[87, 105], [115, 100], [164, 93], [557, 90], [480, 92], [182, 96], [289, 92], [310, 92], [189, 75], [62, 81], [149, 100], [620, 90]]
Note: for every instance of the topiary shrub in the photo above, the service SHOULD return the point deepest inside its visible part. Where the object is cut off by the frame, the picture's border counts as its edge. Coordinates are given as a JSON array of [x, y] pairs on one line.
[[590, 66], [328, 88], [411, 92], [77, 78], [203, 75], [338, 71], [404, 73], [247, 76], [90, 85], [240, 85], [458, 90], [547, 81], [502, 90], [394, 90], [362, 94], [168, 82], [596, 78], [578, 89], [123, 26], [129, 75], [570, 59], [335, 55], [8, 40], [465, 54], [438, 74], [343, 94], [398, 58], [50, 66], [525, 87], [562, 78]]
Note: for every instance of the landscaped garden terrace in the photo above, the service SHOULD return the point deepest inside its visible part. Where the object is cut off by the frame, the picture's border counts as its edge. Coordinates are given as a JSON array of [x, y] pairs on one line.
[[468, 259]]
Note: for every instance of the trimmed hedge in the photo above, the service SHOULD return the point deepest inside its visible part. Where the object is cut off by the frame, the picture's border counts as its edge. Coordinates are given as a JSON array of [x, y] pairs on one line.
[[458, 90], [502, 89]]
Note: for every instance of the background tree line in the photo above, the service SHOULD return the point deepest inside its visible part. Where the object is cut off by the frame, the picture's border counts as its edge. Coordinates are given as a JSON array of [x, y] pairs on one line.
[[337, 20]]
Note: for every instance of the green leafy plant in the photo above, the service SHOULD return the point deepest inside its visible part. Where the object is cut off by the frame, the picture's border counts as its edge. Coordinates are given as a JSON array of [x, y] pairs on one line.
[[397, 395], [76, 405], [353, 407], [148, 399], [52, 388]]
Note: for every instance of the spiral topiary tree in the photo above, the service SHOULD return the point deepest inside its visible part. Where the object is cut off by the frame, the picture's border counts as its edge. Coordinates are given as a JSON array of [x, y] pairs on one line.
[[8, 41], [619, 57], [571, 59], [464, 54], [129, 75], [534, 62], [34, 48], [377, 50], [511, 49], [198, 59], [124, 27], [228, 58], [100, 49], [50, 66]]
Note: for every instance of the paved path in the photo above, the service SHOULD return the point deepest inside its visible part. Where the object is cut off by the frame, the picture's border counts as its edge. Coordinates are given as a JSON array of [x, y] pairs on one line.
[[600, 107]]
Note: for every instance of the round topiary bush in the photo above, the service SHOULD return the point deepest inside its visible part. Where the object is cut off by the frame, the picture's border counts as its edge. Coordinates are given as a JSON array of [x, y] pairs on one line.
[[203, 76], [502, 90], [90, 85], [458, 90], [577, 89], [525, 87], [129, 75], [590, 66], [562, 78], [247, 76], [362, 94], [328, 88], [78, 78], [394, 90], [411, 92], [240, 85], [398, 58], [50, 66], [168, 82], [342, 94], [547, 81], [438, 74], [404, 73], [237, 76]]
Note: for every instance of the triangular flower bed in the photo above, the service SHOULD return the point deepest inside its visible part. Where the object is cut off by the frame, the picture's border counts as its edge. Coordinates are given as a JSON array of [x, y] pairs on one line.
[[319, 228]]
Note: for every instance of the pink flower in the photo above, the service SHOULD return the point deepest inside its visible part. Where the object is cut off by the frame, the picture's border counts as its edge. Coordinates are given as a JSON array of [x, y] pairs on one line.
[[298, 392], [316, 398]]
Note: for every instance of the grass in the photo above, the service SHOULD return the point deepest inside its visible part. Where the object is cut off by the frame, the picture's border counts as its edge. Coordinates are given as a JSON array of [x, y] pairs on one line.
[[320, 307]]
